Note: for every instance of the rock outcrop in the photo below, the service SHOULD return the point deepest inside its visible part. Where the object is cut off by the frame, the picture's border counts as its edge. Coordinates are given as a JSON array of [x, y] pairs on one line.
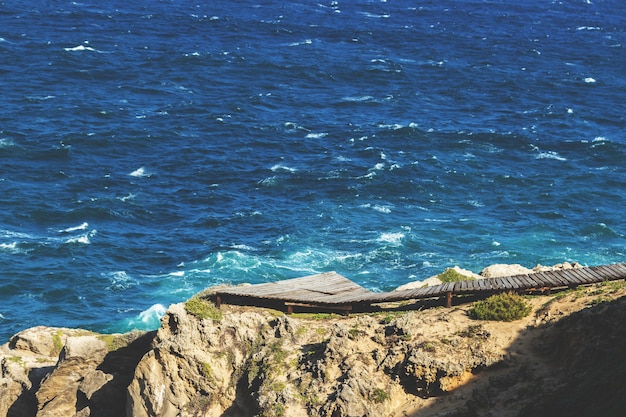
[[246, 361], [49, 372]]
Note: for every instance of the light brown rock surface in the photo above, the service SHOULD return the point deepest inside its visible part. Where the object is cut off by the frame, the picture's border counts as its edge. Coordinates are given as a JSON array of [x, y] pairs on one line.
[[260, 362], [66, 372]]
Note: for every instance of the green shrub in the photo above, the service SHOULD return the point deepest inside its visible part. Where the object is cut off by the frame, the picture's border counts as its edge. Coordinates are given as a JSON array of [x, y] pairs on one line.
[[500, 307], [203, 309], [451, 275], [379, 396]]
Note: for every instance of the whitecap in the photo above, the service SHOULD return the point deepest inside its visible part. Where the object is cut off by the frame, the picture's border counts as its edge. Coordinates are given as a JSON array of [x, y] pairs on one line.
[[600, 139], [590, 80], [148, 319], [81, 226], [140, 172], [127, 197], [382, 209], [316, 135], [10, 248], [80, 48], [588, 28], [305, 42], [379, 166], [357, 99], [281, 167], [83, 239], [5, 143], [375, 16], [120, 280], [550, 155], [269, 181], [394, 238]]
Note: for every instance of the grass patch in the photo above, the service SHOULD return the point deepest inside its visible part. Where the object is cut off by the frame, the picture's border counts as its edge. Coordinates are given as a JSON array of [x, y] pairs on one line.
[[451, 275], [202, 309], [57, 341], [378, 396], [113, 342], [501, 307]]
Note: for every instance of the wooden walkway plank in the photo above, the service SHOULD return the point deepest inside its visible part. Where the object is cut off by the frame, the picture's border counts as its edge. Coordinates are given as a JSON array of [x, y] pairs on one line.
[[585, 275], [518, 282], [574, 277], [330, 290], [561, 277], [616, 272], [595, 276]]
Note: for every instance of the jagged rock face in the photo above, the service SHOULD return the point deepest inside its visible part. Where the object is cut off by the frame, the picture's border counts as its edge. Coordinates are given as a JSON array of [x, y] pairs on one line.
[[255, 362], [49, 372]]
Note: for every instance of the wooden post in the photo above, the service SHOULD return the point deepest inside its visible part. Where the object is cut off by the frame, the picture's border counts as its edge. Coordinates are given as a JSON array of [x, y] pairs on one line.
[[449, 299], [289, 309], [218, 301]]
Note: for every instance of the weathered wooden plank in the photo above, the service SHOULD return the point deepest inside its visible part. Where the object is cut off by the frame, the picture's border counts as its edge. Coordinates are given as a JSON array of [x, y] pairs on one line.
[[519, 284], [621, 267], [524, 283], [586, 276], [542, 280], [596, 274], [615, 272], [512, 283], [561, 278], [574, 276]]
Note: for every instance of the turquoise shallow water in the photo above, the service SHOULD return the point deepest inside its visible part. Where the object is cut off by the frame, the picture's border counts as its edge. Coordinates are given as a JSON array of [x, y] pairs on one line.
[[149, 150]]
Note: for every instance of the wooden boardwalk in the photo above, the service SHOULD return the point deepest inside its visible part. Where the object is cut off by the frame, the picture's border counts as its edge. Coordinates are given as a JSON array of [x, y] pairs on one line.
[[331, 291]]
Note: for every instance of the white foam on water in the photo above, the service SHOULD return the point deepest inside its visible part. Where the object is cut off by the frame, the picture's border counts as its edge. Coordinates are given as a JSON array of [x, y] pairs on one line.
[[82, 226], [281, 167], [149, 319], [590, 80], [550, 155], [140, 173], [84, 239], [12, 248], [119, 281], [382, 209], [127, 197], [304, 42], [316, 135], [393, 238], [80, 48], [357, 99], [6, 143]]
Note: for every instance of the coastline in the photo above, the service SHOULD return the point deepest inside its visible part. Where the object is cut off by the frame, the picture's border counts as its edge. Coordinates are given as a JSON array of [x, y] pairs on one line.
[[257, 361]]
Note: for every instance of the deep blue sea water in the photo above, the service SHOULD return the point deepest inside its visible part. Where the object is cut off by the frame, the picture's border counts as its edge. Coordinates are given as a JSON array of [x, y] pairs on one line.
[[150, 149]]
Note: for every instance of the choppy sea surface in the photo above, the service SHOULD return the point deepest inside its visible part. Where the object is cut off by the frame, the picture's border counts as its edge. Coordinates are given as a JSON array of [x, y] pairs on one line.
[[150, 149]]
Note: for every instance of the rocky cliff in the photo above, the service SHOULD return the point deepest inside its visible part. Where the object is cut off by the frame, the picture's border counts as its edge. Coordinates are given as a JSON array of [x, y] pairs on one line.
[[243, 361]]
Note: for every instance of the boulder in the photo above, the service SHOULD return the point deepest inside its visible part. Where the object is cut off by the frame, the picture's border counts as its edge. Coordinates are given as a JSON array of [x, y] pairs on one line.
[[504, 270]]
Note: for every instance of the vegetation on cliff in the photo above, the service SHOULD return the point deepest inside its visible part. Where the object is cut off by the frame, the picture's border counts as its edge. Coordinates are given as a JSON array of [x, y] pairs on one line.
[[244, 361]]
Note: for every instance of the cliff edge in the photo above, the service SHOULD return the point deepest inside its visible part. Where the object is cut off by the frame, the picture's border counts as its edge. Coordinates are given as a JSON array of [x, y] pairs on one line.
[[244, 361]]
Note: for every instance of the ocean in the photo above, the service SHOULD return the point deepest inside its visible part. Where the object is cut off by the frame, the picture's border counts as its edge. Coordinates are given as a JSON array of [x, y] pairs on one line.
[[151, 149]]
